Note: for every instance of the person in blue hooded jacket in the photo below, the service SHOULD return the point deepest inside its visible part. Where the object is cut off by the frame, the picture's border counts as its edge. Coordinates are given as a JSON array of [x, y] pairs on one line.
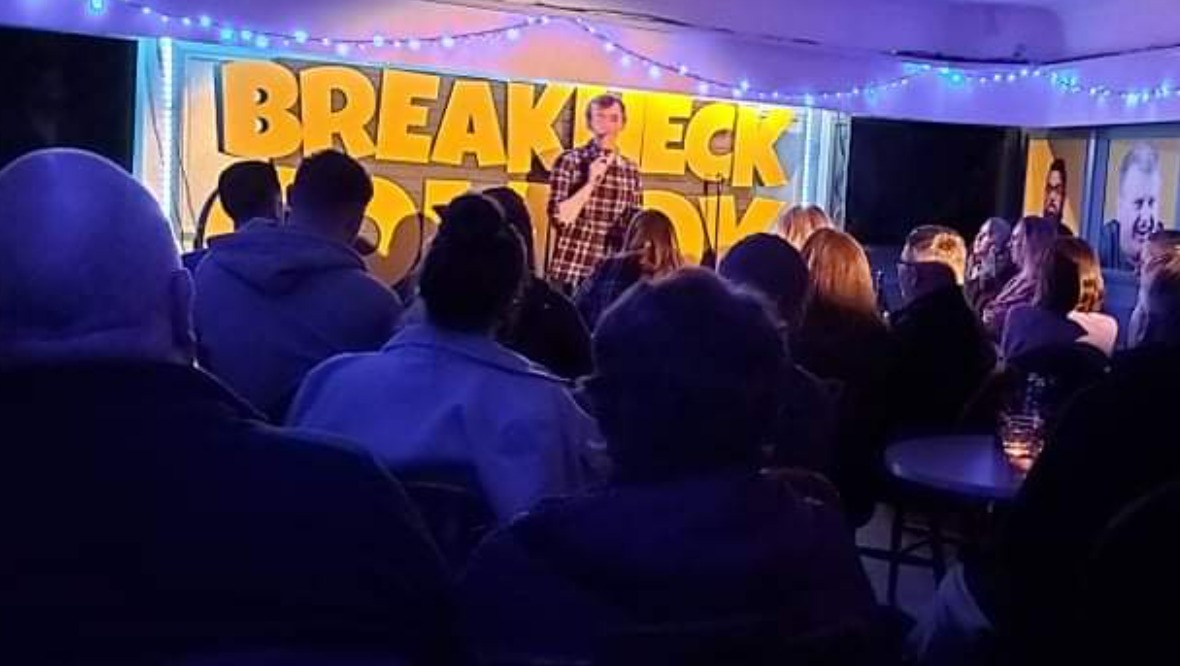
[[443, 397], [274, 300]]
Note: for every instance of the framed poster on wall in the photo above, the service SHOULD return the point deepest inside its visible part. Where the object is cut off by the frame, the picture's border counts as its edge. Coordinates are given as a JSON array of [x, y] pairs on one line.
[[1055, 179], [1142, 178]]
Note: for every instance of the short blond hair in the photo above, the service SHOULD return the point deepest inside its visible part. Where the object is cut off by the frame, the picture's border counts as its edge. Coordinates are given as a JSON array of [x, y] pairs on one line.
[[936, 243], [798, 223]]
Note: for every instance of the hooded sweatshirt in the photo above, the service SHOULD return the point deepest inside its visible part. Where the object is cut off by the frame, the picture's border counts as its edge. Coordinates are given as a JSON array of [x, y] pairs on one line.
[[273, 301]]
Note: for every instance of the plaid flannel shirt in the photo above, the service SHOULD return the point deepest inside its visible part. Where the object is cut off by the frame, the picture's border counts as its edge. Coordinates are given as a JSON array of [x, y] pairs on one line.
[[601, 227]]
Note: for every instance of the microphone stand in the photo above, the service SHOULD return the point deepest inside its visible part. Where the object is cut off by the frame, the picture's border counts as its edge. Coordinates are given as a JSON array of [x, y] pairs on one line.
[[421, 240], [203, 220], [720, 185], [550, 239], [407, 287], [713, 245], [709, 256]]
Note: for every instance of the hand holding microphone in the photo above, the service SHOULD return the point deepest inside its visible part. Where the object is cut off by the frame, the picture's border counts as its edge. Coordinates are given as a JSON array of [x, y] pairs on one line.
[[599, 167]]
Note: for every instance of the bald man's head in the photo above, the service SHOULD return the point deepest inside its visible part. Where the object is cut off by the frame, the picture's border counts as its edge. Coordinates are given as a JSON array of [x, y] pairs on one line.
[[88, 265]]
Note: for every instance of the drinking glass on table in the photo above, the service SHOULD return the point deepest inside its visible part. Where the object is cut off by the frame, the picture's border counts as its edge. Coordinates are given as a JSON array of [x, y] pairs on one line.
[[1022, 437]]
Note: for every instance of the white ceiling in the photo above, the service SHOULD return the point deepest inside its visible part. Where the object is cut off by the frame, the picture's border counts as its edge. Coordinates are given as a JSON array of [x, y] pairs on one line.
[[980, 30], [1037, 30], [789, 45]]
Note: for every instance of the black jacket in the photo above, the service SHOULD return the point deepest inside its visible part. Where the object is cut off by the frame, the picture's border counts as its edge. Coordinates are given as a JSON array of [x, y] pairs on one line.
[[982, 288], [548, 330], [943, 358], [857, 352], [147, 512], [609, 281], [580, 578]]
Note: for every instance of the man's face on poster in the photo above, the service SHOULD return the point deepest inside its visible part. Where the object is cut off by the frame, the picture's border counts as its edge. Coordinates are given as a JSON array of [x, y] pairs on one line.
[[1054, 194], [1139, 195]]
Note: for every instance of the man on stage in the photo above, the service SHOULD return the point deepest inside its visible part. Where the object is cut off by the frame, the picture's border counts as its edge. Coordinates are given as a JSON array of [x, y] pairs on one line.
[[594, 192]]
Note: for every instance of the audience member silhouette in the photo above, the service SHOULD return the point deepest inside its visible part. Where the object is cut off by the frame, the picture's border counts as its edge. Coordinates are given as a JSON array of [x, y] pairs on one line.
[[650, 251], [943, 353], [546, 327], [1159, 246], [1031, 242], [248, 191], [1130, 580], [1068, 306], [990, 265], [689, 541], [805, 433], [148, 514], [1106, 452], [796, 224], [844, 338], [443, 394], [274, 300]]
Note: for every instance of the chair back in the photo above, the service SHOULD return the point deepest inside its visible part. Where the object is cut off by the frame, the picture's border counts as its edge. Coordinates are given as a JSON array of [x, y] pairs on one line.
[[1131, 582], [452, 504], [287, 657], [750, 641], [1068, 369], [1071, 368]]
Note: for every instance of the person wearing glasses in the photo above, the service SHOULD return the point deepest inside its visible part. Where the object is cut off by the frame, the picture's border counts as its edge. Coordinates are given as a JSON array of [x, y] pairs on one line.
[[943, 353]]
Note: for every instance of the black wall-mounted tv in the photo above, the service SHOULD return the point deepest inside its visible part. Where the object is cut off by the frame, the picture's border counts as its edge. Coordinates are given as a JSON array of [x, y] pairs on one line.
[[66, 90], [904, 174]]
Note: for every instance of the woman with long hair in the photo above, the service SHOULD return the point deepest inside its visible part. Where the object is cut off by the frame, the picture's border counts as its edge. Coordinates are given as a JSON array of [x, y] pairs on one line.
[[1031, 242], [650, 251], [843, 338], [840, 274], [798, 223], [1068, 306]]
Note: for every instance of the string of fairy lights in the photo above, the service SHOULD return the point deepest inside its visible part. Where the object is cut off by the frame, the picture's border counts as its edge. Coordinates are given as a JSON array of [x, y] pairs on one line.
[[384, 47]]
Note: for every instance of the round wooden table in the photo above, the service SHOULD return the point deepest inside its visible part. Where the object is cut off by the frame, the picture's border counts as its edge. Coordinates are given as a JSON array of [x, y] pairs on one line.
[[970, 467]]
